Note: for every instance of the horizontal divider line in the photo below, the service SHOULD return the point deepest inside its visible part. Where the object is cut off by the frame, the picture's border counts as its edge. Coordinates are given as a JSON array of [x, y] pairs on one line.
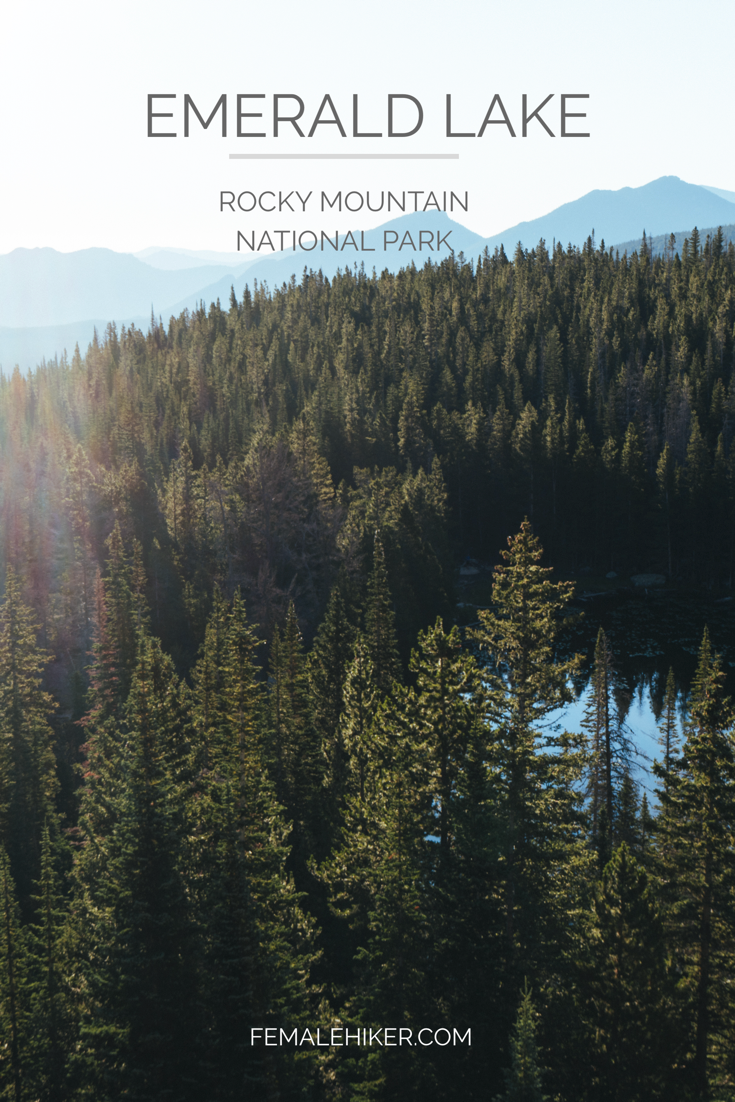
[[344, 156]]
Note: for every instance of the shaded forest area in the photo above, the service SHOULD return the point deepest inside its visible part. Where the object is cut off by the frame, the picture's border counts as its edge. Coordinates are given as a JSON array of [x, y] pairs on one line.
[[250, 775], [263, 446]]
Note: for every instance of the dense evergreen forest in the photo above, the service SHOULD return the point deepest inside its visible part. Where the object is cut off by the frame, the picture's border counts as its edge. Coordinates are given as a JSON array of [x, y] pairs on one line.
[[253, 776]]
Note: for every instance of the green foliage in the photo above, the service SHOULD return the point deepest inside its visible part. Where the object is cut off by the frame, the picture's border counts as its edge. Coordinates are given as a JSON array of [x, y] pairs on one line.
[[361, 740], [14, 996], [326, 843], [694, 837], [52, 1017], [380, 636], [610, 789], [669, 727], [377, 877], [254, 943], [28, 782], [528, 384], [626, 990], [297, 761], [537, 773], [523, 1079], [115, 648], [134, 932], [447, 688], [328, 665], [627, 823]]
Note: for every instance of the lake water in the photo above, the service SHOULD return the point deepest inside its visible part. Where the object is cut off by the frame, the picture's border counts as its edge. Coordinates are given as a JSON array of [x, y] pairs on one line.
[[641, 728], [648, 635]]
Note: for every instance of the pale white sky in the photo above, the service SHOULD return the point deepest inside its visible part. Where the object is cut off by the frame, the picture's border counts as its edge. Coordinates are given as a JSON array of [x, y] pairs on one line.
[[79, 170]]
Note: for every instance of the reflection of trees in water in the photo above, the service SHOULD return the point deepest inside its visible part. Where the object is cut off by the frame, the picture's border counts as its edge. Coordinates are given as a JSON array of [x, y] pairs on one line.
[[610, 746], [647, 637]]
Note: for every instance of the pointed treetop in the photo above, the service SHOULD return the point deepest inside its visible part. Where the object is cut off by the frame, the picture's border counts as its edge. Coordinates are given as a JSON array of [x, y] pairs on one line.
[[523, 1078]]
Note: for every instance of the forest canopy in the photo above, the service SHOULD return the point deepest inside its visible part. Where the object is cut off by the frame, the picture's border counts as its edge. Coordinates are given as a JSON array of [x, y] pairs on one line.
[[251, 773]]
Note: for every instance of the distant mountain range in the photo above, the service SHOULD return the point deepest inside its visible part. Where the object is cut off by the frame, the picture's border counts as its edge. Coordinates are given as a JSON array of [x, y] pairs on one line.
[[664, 206], [50, 301], [172, 260]]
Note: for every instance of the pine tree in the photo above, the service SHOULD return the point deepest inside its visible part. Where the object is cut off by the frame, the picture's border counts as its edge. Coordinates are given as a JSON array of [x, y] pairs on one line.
[[111, 674], [255, 944], [525, 446], [647, 828], [52, 1024], [208, 678], [297, 759], [138, 585], [79, 482], [669, 727], [378, 883], [697, 483], [28, 781], [240, 949], [666, 482], [633, 474], [523, 1079], [627, 820], [241, 752], [609, 749], [115, 650], [329, 659], [553, 451], [361, 698], [328, 664], [380, 633], [13, 989], [537, 772], [463, 897], [133, 925], [626, 989], [694, 834], [447, 695]]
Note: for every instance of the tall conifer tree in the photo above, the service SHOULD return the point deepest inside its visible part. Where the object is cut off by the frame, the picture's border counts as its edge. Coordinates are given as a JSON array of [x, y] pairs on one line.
[[695, 830], [608, 747], [14, 1057], [133, 918], [669, 727], [28, 781], [523, 684], [52, 1010], [328, 664], [255, 944], [380, 632], [523, 1078], [298, 765], [537, 773], [627, 990]]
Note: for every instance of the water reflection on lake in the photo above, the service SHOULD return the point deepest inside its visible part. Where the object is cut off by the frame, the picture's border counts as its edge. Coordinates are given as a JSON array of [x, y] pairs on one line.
[[648, 635], [641, 728]]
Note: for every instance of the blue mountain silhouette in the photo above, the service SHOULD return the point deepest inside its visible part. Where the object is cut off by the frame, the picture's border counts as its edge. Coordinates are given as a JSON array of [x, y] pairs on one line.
[[49, 301]]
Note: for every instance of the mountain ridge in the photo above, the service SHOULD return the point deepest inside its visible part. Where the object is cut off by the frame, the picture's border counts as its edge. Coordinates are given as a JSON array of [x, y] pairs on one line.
[[73, 292]]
